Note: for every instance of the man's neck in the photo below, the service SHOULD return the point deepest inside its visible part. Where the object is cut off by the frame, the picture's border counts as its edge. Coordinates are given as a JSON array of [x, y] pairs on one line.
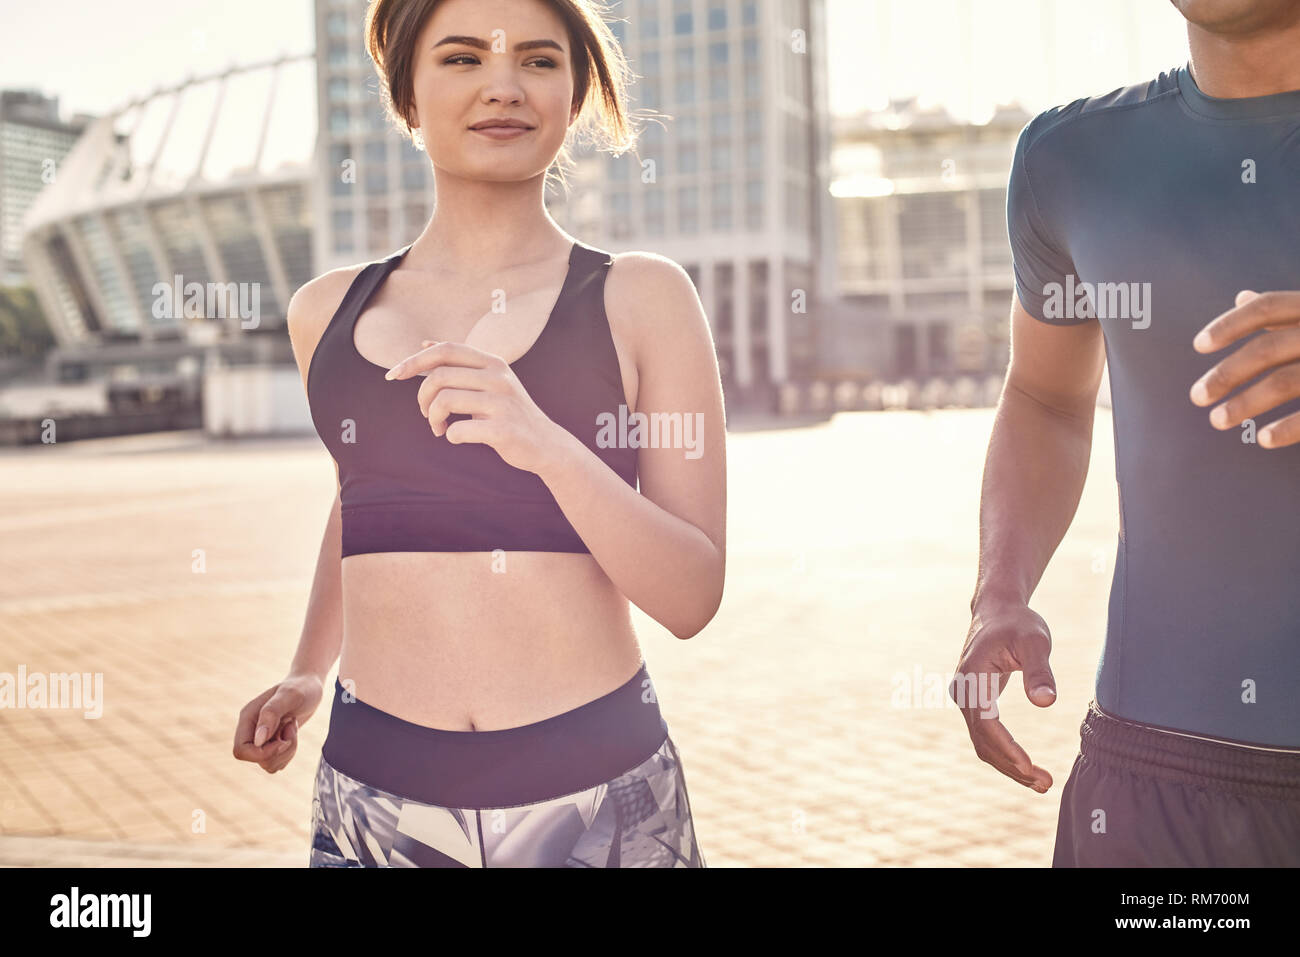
[[1257, 64]]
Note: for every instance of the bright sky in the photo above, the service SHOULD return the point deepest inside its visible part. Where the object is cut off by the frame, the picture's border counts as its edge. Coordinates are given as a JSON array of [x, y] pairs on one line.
[[968, 54]]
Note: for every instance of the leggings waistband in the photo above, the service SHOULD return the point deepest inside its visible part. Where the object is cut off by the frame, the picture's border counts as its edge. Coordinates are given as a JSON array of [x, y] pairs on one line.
[[1132, 746], [564, 754]]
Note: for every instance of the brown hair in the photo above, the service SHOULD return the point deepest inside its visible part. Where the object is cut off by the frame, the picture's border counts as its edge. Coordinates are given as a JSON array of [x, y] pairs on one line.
[[393, 26]]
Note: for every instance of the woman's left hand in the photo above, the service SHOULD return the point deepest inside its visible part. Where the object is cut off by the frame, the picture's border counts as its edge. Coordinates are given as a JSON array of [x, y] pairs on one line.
[[466, 380]]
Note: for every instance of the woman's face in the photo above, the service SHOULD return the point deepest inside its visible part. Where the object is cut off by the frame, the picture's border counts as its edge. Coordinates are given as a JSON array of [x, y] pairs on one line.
[[470, 67]]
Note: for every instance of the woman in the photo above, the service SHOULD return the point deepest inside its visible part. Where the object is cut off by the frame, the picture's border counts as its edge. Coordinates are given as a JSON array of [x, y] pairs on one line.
[[492, 706]]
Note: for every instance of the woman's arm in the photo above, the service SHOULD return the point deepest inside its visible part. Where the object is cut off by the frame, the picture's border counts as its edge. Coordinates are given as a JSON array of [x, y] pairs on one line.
[[309, 313], [665, 546], [322, 629]]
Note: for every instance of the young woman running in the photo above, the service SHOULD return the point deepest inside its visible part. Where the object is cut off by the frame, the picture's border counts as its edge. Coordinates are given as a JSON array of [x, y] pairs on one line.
[[474, 389]]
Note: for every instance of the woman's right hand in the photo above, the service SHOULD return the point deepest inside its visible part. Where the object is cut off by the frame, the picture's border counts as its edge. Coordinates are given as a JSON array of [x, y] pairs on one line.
[[267, 732]]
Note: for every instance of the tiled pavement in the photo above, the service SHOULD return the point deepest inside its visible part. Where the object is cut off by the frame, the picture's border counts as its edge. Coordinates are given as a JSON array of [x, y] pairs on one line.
[[851, 558]]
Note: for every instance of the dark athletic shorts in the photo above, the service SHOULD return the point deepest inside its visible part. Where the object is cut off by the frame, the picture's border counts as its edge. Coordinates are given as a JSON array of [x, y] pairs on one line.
[[601, 785], [1142, 797]]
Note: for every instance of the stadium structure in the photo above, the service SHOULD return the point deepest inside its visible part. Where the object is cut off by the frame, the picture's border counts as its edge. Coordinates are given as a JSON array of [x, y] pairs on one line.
[[167, 248]]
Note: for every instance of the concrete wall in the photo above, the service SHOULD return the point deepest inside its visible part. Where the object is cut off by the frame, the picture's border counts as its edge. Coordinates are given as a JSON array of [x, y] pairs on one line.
[[255, 400]]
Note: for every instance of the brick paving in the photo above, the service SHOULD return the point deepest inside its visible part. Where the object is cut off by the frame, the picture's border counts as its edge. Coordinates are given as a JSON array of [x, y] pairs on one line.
[[851, 558]]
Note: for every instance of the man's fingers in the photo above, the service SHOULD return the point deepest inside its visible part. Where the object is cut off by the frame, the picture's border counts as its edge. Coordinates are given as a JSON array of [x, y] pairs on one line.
[[1261, 354], [995, 745], [1040, 685], [1262, 311], [1285, 431], [1032, 650], [975, 687]]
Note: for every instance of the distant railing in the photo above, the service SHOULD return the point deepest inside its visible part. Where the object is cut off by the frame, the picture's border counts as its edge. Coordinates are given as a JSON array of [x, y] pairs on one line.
[[822, 396]]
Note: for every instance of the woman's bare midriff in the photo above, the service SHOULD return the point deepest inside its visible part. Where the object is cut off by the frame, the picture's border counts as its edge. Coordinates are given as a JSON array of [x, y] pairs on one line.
[[479, 641]]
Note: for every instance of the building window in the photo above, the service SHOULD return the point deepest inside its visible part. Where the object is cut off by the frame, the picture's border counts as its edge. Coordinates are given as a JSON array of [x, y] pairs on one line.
[[753, 204], [939, 346], [905, 354], [377, 228], [720, 203], [654, 210], [688, 209], [683, 21], [647, 20]]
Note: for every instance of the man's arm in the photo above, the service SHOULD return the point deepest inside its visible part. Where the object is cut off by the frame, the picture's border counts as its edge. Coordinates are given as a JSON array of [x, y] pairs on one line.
[[1034, 474], [1038, 454]]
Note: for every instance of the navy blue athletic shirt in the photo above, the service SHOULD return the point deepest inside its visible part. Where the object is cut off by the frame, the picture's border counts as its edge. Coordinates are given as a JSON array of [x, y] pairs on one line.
[[404, 489], [1166, 202]]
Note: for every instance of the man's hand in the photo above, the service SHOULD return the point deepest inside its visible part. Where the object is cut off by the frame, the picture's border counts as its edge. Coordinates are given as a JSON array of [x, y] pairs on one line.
[[1278, 313], [1012, 638]]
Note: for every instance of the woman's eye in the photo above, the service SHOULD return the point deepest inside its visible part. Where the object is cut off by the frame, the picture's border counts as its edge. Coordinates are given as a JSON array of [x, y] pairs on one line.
[[466, 58]]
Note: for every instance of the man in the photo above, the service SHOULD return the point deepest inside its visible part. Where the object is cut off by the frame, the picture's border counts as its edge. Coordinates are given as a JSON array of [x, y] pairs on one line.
[[1158, 228]]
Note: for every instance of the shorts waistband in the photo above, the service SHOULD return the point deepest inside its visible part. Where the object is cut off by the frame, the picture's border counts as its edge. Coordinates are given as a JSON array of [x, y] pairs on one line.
[[1130, 745], [563, 754]]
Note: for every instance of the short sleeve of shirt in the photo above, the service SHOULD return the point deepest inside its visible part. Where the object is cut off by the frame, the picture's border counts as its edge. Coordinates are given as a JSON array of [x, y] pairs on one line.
[[1036, 250]]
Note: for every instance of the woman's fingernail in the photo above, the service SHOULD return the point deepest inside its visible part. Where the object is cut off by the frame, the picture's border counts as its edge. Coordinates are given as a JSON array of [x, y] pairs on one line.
[[1200, 393], [390, 373]]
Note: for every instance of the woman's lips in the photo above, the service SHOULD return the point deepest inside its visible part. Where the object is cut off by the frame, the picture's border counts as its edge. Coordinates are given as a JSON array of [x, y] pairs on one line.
[[502, 132]]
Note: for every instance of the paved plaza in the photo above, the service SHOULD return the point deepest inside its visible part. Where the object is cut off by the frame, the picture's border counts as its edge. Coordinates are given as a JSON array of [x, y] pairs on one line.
[[800, 712]]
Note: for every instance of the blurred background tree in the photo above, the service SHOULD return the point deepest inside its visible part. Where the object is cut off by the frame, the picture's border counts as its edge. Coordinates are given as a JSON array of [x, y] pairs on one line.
[[24, 333]]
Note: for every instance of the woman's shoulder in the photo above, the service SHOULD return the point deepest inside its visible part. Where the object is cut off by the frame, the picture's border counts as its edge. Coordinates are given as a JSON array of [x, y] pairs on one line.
[[643, 266], [649, 293], [640, 278], [312, 307], [316, 301]]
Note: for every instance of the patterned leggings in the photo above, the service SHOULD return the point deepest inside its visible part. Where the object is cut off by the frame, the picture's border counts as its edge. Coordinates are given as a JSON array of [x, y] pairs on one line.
[[639, 819], [393, 794]]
